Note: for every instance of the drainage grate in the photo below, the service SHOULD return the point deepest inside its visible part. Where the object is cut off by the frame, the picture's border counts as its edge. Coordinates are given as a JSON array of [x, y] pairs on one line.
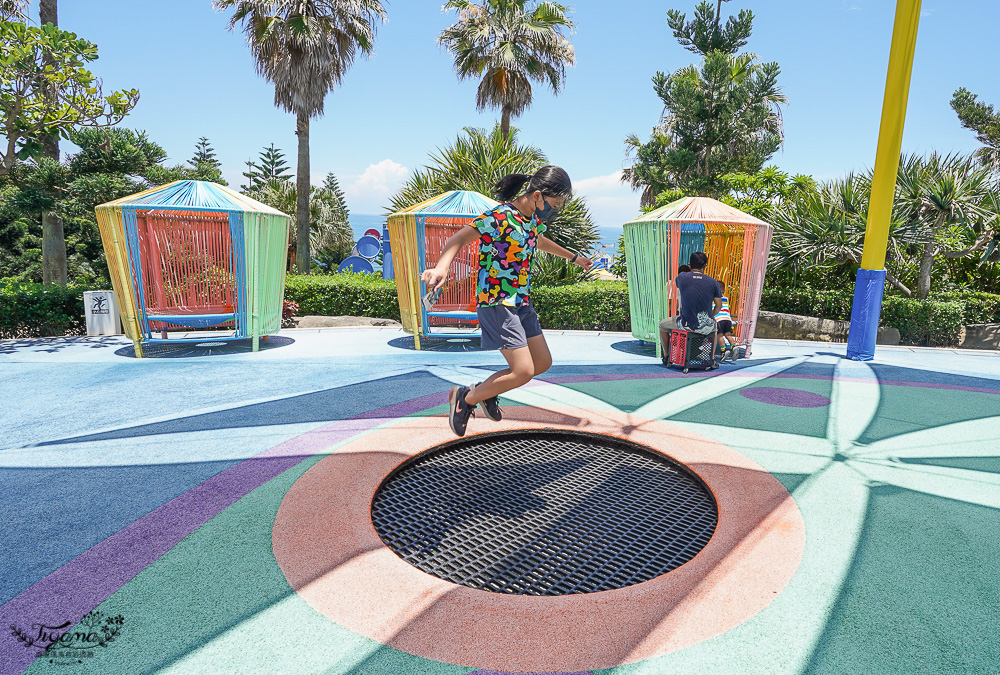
[[544, 512]]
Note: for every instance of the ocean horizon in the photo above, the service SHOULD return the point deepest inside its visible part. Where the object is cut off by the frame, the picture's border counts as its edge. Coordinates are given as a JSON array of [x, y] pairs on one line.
[[361, 222]]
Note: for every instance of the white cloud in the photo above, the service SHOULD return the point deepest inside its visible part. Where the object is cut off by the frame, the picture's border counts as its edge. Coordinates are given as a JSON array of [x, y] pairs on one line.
[[370, 192], [612, 203]]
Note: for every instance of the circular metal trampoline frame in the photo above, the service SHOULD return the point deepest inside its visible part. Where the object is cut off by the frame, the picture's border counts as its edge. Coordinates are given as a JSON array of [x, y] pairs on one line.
[[544, 512]]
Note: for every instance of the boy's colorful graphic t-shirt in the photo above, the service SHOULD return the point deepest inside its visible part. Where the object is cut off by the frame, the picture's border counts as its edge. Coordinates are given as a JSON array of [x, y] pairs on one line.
[[506, 244]]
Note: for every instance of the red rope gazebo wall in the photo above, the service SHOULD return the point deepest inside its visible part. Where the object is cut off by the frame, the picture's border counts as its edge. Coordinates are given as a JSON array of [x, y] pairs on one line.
[[459, 292], [187, 263]]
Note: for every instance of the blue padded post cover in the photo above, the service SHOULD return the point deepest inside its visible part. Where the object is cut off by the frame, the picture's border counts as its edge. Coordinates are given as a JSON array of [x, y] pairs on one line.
[[865, 314], [387, 271]]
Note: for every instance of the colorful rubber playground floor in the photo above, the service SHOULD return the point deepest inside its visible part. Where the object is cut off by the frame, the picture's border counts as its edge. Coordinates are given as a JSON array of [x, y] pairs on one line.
[[206, 510]]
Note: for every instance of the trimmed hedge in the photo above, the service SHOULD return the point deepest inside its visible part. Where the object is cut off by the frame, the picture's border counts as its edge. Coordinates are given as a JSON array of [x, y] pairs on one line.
[[30, 310], [34, 310], [935, 321], [594, 305], [807, 302], [976, 307], [343, 295]]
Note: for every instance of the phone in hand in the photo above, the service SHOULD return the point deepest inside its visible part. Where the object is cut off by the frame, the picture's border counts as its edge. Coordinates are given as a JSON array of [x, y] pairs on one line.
[[432, 297]]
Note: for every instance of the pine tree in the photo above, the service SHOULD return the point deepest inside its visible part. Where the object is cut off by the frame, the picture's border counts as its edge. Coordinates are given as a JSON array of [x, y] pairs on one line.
[[706, 34], [272, 164], [332, 187], [270, 167], [206, 166], [980, 118], [333, 239], [253, 176], [720, 116]]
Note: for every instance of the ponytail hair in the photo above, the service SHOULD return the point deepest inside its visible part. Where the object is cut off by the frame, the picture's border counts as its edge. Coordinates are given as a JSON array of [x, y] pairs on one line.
[[549, 180], [510, 186]]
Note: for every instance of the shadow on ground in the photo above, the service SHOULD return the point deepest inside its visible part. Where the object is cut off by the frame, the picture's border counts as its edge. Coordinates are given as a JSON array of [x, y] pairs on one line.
[[458, 343], [190, 349], [637, 347], [56, 344]]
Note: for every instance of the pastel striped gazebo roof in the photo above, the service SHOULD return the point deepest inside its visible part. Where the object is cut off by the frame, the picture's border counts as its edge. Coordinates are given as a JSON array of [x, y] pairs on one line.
[[699, 210], [451, 203], [194, 194]]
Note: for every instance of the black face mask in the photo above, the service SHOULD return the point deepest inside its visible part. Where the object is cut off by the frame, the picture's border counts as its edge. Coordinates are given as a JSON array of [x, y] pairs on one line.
[[548, 213]]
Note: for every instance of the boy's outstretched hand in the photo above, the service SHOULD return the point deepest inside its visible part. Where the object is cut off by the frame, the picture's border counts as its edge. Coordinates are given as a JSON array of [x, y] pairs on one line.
[[585, 263], [433, 278]]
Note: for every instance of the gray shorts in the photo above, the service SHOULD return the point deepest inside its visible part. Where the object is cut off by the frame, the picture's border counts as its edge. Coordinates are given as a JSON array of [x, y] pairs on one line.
[[505, 327]]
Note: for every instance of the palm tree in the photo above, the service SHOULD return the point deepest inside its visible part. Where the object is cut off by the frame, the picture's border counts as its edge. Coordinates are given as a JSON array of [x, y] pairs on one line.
[[304, 47], [509, 44], [824, 228], [476, 161], [13, 10], [951, 200]]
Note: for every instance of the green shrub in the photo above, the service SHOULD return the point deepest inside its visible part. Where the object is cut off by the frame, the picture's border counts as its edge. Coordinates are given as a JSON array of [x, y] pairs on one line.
[[976, 307], [806, 301], [595, 305], [33, 310], [930, 322], [343, 295], [936, 321]]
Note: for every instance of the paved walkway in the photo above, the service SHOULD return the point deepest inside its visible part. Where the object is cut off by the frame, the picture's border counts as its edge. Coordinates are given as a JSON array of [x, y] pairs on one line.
[[147, 506]]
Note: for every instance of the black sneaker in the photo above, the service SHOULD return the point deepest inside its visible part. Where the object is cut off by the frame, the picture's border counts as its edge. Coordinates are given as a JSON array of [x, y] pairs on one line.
[[491, 408], [460, 411]]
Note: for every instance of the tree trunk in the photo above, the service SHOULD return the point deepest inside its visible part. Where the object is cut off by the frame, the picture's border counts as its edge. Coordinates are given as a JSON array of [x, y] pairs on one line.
[[898, 284], [48, 12], [53, 242], [53, 250], [505, 123], [926, 265], [302, 184]]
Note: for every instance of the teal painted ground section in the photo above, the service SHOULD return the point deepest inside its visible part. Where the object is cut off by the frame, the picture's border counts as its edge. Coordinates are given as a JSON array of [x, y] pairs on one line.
[[897, 479]]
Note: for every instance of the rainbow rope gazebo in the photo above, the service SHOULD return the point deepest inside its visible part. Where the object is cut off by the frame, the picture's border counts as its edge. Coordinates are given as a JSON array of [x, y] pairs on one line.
[[195, 254], [417, 236], [657, 243]]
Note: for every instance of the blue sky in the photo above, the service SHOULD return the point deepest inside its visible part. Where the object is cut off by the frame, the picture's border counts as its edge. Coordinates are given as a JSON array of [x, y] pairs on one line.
[[196, 79]]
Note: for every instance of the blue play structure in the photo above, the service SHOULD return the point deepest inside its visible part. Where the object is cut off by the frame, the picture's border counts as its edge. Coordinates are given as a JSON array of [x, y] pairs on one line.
[[363, 255], [356, 264]]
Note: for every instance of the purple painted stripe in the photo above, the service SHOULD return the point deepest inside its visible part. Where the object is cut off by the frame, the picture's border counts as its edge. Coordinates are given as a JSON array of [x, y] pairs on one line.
[[73, 590], [497, 672]]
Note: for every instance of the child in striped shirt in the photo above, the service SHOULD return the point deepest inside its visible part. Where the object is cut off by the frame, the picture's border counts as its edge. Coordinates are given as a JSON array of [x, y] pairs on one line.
[[724, 327]]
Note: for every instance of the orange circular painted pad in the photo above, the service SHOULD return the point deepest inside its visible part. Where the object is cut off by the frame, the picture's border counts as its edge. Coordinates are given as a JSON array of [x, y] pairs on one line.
[[329, 551]]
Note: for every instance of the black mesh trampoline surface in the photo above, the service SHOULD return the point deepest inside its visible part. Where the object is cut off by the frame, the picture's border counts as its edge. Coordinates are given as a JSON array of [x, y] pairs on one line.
[[544, 512]]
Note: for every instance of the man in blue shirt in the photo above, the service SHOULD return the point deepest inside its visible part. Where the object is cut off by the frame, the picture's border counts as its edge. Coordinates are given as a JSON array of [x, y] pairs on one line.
[[700, 299]]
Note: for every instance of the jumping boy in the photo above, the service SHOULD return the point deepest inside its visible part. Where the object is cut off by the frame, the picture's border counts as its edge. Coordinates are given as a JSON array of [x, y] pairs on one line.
[[508, 236]]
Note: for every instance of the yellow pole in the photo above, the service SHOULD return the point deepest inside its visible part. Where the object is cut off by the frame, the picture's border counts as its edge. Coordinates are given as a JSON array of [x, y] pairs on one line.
[[890, 135], [870, 282]]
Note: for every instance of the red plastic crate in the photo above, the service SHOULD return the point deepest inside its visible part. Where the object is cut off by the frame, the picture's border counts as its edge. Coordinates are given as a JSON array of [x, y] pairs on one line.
[[688, 349]]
